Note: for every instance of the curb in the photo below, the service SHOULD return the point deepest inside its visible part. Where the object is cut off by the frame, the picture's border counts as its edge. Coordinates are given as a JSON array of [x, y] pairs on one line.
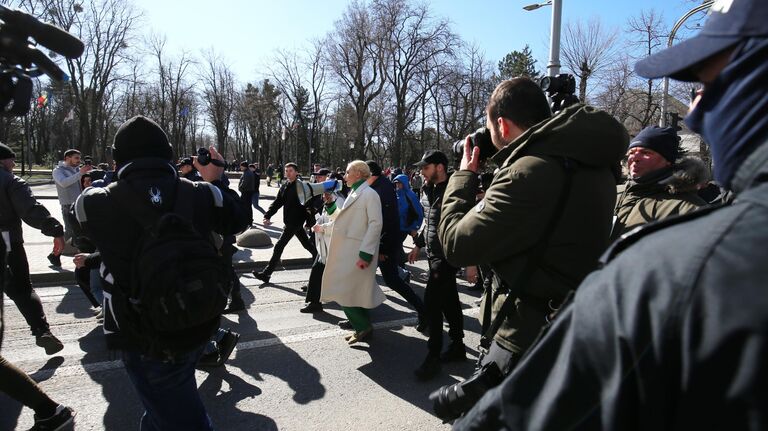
[[48, 279]]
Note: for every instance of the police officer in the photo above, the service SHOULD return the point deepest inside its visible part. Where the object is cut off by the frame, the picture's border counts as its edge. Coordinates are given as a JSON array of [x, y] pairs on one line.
[[16, 204]]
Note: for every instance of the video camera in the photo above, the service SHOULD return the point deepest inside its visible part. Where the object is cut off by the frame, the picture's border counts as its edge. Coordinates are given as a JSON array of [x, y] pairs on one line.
[[204, 158], [20, 60], [561, 90]]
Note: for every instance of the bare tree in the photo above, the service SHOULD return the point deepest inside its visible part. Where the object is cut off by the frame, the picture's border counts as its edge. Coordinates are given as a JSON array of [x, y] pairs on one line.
[[107, 28], [413, 38], [587, 49], [648, 34], [357, 57], [465, 94], [218, 97]]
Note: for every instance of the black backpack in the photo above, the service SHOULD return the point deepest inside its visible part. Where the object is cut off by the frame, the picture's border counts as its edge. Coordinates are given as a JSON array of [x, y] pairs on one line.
[[179, 283]]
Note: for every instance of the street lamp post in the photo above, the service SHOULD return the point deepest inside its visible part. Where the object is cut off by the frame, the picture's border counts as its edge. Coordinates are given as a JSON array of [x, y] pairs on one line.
[[553, 67], [678, 24]]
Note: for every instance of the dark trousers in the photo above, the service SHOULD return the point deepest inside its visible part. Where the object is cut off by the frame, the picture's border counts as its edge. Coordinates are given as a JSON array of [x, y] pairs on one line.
[[289, 232], [315, 282], [19, 386], [392, 279], [18, 287], [246, 200], [442, 299], [168, 391]]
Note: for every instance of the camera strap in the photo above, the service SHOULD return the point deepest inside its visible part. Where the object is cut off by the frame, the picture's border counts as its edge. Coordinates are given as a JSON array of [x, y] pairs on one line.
[[534, 259]]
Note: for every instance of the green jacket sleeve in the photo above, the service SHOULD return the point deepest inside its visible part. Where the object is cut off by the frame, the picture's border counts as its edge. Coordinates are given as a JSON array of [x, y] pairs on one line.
[[509, 220]]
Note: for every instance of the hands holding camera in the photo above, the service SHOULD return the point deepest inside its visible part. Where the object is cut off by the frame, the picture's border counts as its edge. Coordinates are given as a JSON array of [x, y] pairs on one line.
[[471, 159], [212, 170]]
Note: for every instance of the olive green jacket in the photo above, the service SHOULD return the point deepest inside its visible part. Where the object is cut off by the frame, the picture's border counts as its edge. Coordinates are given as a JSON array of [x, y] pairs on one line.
[[502, 228], [665, 193]]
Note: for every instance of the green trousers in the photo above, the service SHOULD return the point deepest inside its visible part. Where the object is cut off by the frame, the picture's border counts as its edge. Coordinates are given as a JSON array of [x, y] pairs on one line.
[[358, 318]]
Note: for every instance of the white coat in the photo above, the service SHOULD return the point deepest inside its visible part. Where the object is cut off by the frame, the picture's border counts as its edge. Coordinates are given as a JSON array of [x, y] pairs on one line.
[[354, 228]]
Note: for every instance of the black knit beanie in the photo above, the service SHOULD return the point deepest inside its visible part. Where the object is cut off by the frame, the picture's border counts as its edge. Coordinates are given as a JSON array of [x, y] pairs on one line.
[[140, 137], [663, 140], [6, 152]]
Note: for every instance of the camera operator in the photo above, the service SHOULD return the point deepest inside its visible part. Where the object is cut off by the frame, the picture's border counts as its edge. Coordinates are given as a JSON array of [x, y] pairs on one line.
[[541, 226]]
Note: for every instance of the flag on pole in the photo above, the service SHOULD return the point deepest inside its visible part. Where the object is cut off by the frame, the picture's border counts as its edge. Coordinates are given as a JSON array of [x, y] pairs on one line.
[[70, 116]]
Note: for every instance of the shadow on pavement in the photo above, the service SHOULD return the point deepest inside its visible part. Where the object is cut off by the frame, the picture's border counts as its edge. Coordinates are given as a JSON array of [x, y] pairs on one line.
[[75, 303], [222, 405], [284, 363], [124, 409], [397, 376]]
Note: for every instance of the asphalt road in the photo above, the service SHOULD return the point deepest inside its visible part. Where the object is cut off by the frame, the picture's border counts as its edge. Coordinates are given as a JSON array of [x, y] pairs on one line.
[[290, 371]]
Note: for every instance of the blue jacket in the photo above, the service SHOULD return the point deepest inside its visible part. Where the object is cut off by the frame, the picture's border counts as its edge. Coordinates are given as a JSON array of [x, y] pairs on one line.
[[391, 227], [404, 196]]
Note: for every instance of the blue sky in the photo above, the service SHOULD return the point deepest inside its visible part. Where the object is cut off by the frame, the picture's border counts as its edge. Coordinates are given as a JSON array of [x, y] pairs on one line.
[[246, 33]]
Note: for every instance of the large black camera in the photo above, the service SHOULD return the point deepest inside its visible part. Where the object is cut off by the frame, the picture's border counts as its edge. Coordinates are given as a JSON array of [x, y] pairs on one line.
[[452, 401], [561, 90], [204, 158], [480, 138], [20, 60]]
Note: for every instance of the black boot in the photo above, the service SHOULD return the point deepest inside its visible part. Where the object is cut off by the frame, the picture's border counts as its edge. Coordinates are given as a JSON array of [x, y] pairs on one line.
[[428, 369], [456, 352]]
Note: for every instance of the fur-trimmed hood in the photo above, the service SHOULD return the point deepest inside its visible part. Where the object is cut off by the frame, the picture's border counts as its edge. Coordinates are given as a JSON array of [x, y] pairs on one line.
[[687, 174]]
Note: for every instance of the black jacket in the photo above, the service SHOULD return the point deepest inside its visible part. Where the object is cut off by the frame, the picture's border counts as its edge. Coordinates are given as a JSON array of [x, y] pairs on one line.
[[669, 334], [294, 214], [428, 236], [17, 203], [247, 182], [390, 230], [115, 233]]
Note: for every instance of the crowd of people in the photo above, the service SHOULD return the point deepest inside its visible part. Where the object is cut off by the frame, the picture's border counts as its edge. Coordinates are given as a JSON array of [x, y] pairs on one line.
[[608, 302]]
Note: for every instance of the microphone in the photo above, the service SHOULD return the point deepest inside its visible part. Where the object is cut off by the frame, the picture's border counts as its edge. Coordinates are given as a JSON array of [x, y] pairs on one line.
[[48, 35]]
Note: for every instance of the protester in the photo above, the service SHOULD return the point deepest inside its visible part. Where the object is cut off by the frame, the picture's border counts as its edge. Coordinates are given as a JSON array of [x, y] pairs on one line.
[[67, 178], [660, 185], [670, 332], [294, 216], [411, 213], [247, 187], [49, 415], [254, 167], [17, 204], [390, 248], [349, 277], [322, 243], [160, 364], [440, 297]]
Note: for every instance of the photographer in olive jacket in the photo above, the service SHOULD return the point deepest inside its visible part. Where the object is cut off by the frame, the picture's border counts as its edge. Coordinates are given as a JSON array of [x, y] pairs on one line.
[[553, 171]]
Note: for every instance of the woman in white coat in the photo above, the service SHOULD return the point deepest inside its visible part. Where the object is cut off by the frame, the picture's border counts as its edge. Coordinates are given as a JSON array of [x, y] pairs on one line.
[[349, 277]]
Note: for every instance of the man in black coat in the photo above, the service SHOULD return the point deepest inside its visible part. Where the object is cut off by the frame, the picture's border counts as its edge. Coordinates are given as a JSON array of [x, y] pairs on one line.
[[670, 333], [166, 384], [17, 204], [388, 248], [294, 216]]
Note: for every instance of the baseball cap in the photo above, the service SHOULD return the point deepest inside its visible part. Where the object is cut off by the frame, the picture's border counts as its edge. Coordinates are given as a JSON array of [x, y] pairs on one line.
[[185, 161], [432, 156], [728, 22], [323, 172]]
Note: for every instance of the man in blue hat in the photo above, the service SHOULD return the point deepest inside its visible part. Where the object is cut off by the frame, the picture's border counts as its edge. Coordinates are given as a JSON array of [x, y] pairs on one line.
[[659, 184], [671, 332]]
